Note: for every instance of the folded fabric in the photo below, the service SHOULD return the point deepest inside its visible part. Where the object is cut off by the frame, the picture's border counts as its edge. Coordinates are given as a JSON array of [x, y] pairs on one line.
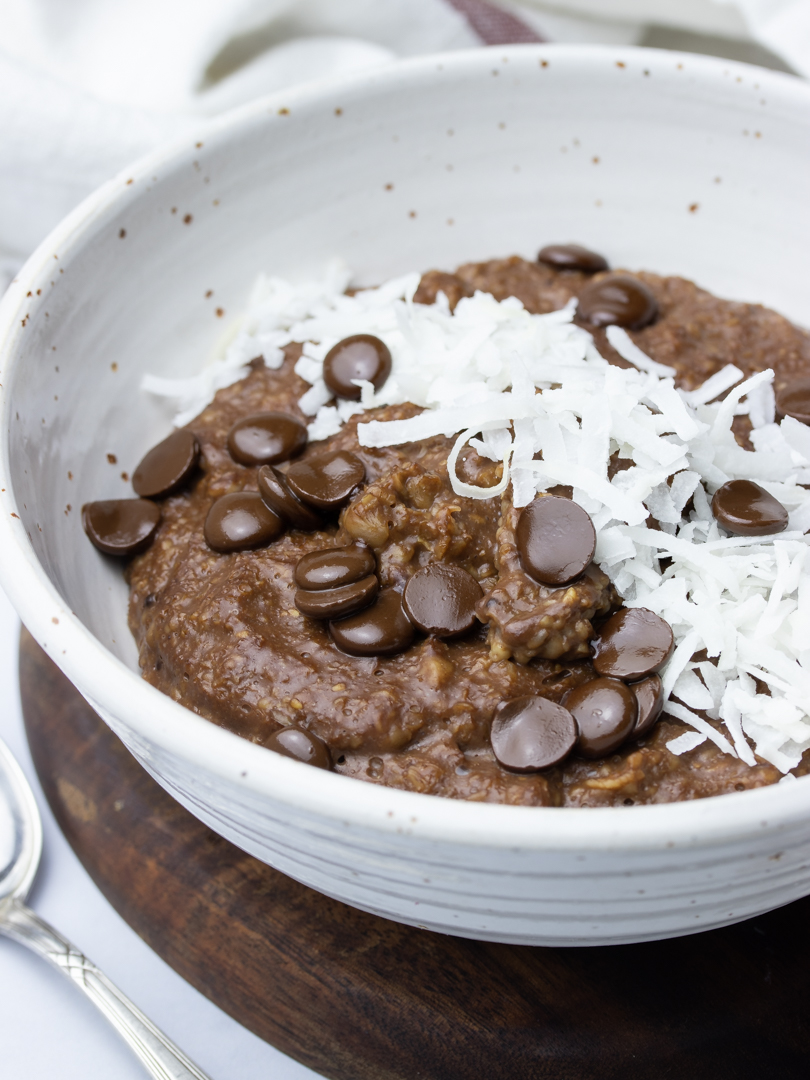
[[85, 87]]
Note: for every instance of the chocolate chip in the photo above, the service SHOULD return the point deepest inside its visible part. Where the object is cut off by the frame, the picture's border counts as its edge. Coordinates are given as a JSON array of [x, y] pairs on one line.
[[745, 508], [794, 400], [168, 465], [649, 695], [326, 481], [381, 630], [532, 733], [298, 743], [572, 257], [266, 437], [632, 644], [555, 539], [617, 300], [276, 493], [240, 521], [441, 600], [333, 567], [339, 602], [121, 526], [605, 711], [362, 356]]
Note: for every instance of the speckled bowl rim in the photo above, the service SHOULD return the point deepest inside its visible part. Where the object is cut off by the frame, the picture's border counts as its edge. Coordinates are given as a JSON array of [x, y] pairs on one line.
[[159, 720]]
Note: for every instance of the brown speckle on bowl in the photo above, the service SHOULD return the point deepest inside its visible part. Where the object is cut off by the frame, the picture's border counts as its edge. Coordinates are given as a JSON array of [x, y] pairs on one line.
[[219, 312], [389, 187], [187, 220], [122, 234], [595, 160], [338, 112], [283, 112], [70, 475], [544, 63], [54, 620], [621, 64], [693, 207], [174, 210], [113, 366], [209, 293], [130, 181], [113, 460], [125, 477]]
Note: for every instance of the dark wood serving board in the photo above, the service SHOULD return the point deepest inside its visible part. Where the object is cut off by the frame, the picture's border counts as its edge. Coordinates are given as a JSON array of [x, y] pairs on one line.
[[357, 997]]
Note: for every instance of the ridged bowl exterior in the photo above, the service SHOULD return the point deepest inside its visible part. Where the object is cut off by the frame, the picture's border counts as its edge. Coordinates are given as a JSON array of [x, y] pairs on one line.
[[674, 163]]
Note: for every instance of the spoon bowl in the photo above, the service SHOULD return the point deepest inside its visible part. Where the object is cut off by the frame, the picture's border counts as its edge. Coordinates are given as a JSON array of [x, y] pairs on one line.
[[20, 851], [20, 831]]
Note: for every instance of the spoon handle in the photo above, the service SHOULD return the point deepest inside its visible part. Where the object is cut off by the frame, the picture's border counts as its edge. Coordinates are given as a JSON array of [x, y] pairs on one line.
[[161, 1058]]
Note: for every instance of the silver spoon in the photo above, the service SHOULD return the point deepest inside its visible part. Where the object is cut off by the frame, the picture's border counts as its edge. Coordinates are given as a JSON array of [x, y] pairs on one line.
[[20, 850]]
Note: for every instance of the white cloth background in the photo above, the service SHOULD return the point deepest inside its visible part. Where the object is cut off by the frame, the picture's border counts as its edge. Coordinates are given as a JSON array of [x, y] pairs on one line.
[[86, 86]]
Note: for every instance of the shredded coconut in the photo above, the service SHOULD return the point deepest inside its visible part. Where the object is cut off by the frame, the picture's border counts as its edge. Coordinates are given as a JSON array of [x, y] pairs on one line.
[[532, 392]]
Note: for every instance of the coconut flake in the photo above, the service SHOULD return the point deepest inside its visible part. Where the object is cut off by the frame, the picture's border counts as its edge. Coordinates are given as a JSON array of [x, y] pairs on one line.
[[629, 351], [688, 741], [701, 725], [713, 387]]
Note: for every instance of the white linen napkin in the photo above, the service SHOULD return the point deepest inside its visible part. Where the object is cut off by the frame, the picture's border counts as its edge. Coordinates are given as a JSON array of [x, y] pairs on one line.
[[88, 85]]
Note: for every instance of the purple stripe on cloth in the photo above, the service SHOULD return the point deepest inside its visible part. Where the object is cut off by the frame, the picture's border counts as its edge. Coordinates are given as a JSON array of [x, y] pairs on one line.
[[493, 25]]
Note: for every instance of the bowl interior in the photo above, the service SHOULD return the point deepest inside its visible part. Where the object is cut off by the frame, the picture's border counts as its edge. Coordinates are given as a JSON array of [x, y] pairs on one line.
[[677, 164]]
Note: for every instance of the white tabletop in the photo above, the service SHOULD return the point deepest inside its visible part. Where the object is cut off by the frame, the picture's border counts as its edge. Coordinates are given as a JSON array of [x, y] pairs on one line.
[[48, 1030]]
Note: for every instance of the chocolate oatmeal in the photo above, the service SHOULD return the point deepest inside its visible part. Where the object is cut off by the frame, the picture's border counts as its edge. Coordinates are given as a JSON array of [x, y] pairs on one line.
[[213, 602]]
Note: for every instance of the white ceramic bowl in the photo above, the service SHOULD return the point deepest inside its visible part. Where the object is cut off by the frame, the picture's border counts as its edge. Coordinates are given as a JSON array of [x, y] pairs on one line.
[[680, 164]]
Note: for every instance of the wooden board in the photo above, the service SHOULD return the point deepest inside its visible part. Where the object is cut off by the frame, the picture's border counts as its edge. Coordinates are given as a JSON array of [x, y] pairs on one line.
[[357, 997]]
